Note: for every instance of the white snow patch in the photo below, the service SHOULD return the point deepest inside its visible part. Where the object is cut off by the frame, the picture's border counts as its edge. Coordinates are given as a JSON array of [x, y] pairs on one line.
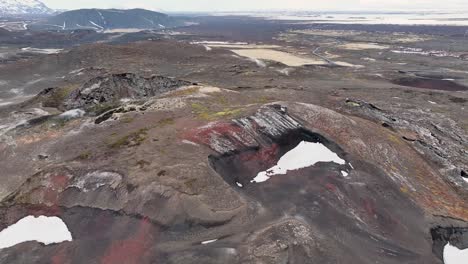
[[91, 88], [100, 27], [398, 18], [102, 18], [17, 91], [239, 184], [53, 25], [306, 154], [209, 241], [43, 229], [219, 43], [231, 251], [74, 113], [149, 20], [432, 102], [126, 100], [259, 63], [344, 173], [208, 48], [39, 112], [76, 71], [96, 179], [419, 51], [42, 51], [453, 255], [286, 71], [189, 142], [32, 82], [368, 59], [5, 103]]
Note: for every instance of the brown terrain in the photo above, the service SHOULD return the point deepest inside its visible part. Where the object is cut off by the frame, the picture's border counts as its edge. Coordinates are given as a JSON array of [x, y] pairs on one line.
[[156, 166]]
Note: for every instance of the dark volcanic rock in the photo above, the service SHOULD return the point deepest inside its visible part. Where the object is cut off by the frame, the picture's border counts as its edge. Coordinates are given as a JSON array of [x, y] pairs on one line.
[[50, 39], [427, 83], [252, 144], [111, 88], [49, 97], [5, 33], [134, 203], [101, 239], [438, 137], [456, 236]]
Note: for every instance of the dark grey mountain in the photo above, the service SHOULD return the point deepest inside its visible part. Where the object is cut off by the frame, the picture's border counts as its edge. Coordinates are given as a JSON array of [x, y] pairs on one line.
[[104, 19]]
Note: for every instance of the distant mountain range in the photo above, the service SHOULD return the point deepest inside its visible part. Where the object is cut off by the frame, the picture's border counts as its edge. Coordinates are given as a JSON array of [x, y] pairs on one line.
[[105, 19], [23, 7]]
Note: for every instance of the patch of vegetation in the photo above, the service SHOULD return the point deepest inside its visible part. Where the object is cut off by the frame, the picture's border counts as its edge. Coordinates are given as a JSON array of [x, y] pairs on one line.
[[264, 100], [133, 139], [127, 119], [184, 92], [166, 122], [142, 163], [353, 104], [228, 113], [130, 187], [54, 123], [458, 100], [205, 113], [201, 111], [58, 96], [85, 155], [220, 99], [394, 139], [102, 108], [190, 183], [404, 190], [465, 127]]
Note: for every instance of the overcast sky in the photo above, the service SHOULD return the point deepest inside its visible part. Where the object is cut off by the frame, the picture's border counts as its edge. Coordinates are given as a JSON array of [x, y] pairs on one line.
[[246, 5]]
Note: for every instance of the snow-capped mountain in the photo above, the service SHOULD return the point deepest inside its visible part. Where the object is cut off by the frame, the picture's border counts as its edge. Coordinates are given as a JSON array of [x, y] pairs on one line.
[[23, 7]]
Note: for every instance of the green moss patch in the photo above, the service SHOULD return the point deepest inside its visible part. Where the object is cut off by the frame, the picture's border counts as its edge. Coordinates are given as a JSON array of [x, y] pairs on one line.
[[133, 139], [58, 96], [205, 113]]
